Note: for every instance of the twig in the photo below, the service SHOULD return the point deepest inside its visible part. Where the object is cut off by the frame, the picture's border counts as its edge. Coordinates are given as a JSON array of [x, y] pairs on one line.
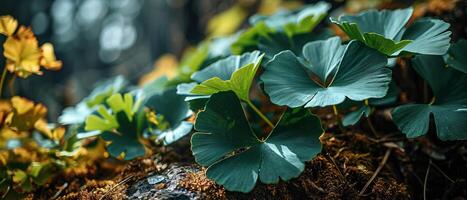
[[337, 167], [381, 165], [442, 172], [63, 187], [317, 187], [340, 151], [372, 128], [116, 185], [426, 180], [6, 193]]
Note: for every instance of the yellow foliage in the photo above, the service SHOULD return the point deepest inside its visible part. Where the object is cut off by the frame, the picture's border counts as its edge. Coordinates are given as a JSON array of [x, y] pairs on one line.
[[166, 65], [25, 114], [227, 22], [22, 52], [48, 59], [8, 25], [22, 55], [55, 134]]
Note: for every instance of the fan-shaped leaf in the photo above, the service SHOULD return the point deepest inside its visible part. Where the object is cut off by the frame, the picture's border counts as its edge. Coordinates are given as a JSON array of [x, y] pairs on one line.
[[234, 73], [384, 30], [450, 91], [278, 41], [235, 157], [456, 57], [174, 110], [358, 73], [295, 22]]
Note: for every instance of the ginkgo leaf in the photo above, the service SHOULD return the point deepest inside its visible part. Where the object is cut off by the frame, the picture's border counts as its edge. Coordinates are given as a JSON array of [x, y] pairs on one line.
[[279, 41], [248, 39], [385, 31], [455, 57], [236, 157], [125, 139], [353, 117], [104, 122], [121, 125], [25, 114], [22, 55], [450, 99], [48, 59], [234, 73], [295, 22], [105, 89], [8, 25], [351, 71], [174, 110], [102, 91], [365, 108]]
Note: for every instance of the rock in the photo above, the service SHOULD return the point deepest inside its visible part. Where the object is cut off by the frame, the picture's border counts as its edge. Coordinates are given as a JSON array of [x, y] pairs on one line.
[[164, 185]]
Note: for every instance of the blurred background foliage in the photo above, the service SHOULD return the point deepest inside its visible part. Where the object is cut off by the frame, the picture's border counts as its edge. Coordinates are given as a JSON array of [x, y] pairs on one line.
[[99, 39]]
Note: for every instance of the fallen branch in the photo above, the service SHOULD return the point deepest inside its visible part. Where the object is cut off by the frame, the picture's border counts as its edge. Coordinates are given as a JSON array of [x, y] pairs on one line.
[[381, 165]]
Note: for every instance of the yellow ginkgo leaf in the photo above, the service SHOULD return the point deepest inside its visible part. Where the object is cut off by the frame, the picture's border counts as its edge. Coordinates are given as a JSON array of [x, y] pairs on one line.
[[55, 134], [8, 25], [166, 65], [48, 59], [235, 15], [22, 53], [25, 33], [3, 158], [5, 108], [25, 114]]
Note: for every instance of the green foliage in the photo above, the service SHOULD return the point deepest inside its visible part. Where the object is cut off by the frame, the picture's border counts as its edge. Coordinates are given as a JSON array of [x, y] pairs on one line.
[[353, 71], [385, 31], [248, 39], [304, 68], [448, 106], [120, 125], [173, 110], [236, 157], [455, 57], [234, 73], [278, 41], [353, 117], [284, 23], [303, 20]]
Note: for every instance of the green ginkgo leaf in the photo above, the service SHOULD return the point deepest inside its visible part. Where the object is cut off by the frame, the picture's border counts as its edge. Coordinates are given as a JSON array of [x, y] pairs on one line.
[[279, 41], [366, 108], [248, 39], [448, 106], [234, 73], [103, 90], [124, 140], [236, 157], [456, 56], [327, 74], [174, 110], [385, 31], [121, 125], [353, 117], [299, 21]]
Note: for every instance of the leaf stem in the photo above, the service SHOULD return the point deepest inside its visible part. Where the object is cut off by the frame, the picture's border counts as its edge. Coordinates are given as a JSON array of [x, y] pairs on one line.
[[2, 80], [336, 114], [372, 128], [11, 85], [257, 111]]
